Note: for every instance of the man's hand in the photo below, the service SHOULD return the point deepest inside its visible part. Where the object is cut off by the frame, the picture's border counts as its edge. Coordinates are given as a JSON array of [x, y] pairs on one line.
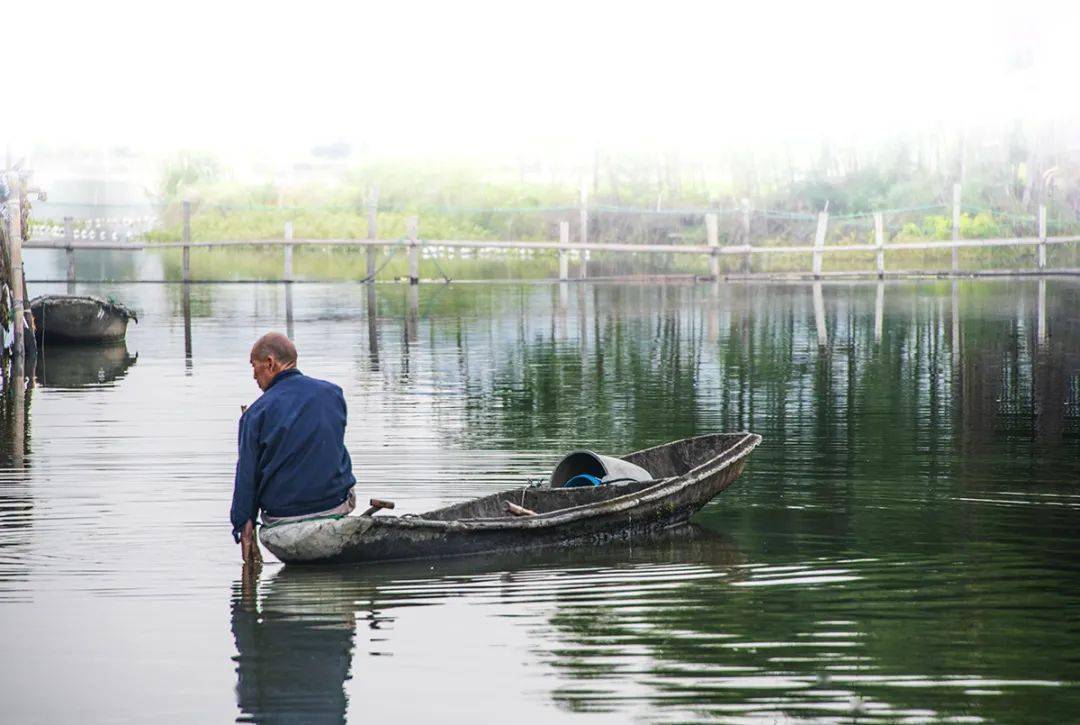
[[249, 545]]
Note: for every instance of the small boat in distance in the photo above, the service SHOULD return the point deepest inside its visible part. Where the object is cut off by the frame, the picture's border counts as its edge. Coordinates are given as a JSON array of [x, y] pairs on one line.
[[687, 475], [79, 319]]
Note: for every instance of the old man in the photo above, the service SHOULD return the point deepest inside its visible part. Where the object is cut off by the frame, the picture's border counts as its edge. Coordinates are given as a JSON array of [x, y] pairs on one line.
[[292, 461]]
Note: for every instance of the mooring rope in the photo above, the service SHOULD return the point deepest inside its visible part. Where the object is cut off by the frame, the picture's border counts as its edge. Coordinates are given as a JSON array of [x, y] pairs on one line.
[[389, 257], [438, 266]]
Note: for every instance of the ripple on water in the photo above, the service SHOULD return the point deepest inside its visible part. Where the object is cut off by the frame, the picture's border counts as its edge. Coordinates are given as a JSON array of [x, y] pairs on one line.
[[901, 548]]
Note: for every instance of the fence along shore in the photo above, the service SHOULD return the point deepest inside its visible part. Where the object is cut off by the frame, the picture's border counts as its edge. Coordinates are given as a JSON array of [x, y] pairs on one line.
[[416, 246]]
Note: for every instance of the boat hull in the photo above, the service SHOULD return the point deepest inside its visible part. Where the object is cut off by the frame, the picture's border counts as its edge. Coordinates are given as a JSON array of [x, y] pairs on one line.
[[580, 515]]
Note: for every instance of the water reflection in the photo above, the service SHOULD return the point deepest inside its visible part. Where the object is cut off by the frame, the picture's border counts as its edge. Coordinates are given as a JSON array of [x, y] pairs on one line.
[[16, 499], [289, 331], [1041, 335], [186, 312], [819, 316], [79, 366], [372, 326], [293, 653], [412, 314], [879, 311], [902, 544], [296, 638]]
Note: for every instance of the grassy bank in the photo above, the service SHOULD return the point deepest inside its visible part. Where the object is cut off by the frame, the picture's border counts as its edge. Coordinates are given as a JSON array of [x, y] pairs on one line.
[[459, 202]]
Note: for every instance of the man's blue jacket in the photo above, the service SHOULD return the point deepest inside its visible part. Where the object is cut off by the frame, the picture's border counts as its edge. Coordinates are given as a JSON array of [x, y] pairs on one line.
[[292, 451]]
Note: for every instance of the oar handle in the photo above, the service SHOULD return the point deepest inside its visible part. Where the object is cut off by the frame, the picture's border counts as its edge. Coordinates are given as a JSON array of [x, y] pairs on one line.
[[376, 504], [516, 510]]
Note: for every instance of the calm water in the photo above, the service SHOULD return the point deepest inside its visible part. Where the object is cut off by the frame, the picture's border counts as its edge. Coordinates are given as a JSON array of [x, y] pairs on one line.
[[903, 545]]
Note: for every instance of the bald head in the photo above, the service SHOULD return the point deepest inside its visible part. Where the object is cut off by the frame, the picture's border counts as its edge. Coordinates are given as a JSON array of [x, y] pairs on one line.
[[271, 353], [275, 345]]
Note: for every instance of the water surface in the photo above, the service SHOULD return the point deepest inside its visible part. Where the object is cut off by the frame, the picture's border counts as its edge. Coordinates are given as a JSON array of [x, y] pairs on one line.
[[902, 546]]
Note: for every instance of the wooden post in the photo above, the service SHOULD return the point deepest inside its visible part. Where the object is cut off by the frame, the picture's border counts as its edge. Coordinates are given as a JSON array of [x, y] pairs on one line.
[[289, 332], [412, 230], [583, 254], [1042, 237], [819, 240], [69, 251], [372, 231], [564, 256], [956, 226], [186, 252], [879, 240], [287, 274], [15, 239], [747, 267], [713, 235]]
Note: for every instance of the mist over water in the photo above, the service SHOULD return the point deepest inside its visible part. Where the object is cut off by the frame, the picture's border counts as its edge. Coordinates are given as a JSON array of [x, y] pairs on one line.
[[901, 546]]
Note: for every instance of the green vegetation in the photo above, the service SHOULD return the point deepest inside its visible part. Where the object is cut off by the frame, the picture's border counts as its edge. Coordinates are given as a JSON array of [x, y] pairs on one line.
[[632, 199]]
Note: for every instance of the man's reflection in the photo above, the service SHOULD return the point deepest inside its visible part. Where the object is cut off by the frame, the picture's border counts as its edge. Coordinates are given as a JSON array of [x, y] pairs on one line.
[[296, 637], [294, 649]]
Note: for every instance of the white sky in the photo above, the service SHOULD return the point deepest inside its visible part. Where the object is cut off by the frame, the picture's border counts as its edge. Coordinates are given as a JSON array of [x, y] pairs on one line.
[[477, 77]]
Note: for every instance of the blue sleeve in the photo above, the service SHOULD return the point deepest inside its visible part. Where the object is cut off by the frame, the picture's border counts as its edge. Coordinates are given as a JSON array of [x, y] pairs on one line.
[[246, 485], [346, 462]]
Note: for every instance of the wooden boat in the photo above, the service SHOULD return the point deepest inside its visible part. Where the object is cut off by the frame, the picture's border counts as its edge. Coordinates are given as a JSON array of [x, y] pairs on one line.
[[688, 474], [79, 319]]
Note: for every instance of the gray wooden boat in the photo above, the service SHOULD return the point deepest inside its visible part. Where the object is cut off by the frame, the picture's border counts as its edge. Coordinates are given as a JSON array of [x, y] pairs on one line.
[[79, 319], [688, 474]]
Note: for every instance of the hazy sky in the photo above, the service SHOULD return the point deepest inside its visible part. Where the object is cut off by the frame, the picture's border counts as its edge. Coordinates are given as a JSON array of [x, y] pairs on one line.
[[492, 76]]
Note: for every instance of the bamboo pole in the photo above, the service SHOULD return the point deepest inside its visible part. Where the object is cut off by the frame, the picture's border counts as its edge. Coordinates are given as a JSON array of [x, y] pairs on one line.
[[69, 250], [819, 240], [746, 235], [412, 231], [17, 292], [372, 231], [186, 255], [584, 231], [956, 227], [18, 362], [287, 272], [879, 242], [712, 235], [564, 256], [1042, 237]]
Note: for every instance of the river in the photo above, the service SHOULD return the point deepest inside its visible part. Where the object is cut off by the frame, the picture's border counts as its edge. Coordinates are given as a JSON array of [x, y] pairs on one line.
[[902, 546]]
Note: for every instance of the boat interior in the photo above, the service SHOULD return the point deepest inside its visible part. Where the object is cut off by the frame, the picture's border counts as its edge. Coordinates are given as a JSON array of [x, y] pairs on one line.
[[667, 461]]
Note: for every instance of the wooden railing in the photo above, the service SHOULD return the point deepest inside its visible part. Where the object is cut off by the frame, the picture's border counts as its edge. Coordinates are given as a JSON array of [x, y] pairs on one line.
[[711, 250]]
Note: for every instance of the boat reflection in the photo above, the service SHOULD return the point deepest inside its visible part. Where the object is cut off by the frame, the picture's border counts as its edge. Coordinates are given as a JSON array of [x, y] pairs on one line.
[[296, 632], [81, 366]]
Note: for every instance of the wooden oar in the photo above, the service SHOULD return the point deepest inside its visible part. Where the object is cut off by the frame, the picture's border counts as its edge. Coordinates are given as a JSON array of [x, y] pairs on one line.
[[376, 504]]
